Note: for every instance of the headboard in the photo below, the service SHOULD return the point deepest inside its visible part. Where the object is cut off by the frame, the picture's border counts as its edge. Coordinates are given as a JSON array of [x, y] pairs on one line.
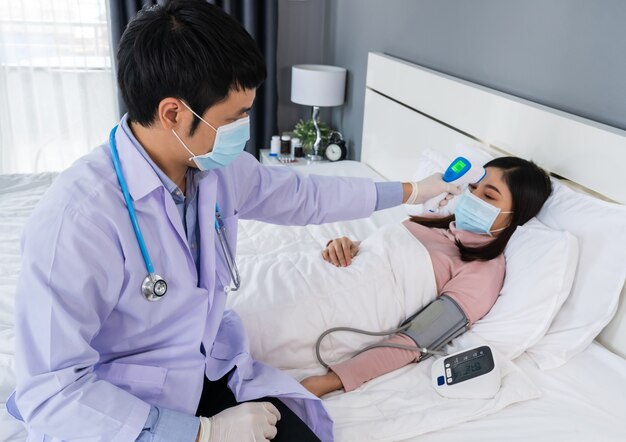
[[409, 108]]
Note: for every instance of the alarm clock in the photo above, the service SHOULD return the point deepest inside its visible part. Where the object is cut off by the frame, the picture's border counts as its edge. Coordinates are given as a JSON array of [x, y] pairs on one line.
[[468, 374], [336, 149]]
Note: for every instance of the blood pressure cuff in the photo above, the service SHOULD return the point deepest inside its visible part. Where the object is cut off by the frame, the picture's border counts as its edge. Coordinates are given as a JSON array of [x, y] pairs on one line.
[[436, 324]]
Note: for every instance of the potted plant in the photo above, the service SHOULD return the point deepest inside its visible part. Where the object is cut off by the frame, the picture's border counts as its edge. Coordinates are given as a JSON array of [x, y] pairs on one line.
[[305, 131]]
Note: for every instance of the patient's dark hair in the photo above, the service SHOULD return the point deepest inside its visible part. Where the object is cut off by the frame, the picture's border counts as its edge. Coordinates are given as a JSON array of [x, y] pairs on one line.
[[187, 49], [530, 187]]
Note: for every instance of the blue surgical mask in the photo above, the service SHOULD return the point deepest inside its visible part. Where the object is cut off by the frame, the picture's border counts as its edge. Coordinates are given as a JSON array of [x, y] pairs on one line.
[[230, 141], [472, 214]]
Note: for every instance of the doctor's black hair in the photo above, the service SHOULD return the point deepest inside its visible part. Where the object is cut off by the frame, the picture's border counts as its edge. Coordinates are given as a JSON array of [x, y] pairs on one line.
[[187, 49], [530, 187]]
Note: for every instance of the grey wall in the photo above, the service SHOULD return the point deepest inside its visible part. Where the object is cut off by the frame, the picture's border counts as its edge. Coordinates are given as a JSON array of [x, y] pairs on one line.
[[567, 54], [301, 40]]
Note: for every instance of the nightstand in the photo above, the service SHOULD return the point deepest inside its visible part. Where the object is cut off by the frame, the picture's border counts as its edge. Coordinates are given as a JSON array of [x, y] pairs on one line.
[[266, 159]]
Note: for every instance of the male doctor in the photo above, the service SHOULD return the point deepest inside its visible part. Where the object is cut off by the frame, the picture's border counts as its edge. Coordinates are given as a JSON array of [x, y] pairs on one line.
[[97, 359]]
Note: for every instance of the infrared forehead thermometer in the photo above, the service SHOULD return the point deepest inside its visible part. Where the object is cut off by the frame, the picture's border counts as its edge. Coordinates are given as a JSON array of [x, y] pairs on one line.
[[461, 171]]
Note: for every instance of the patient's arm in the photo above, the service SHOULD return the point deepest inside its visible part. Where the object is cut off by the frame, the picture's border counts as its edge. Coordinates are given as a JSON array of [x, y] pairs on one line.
[[352, 373], [340, 251]]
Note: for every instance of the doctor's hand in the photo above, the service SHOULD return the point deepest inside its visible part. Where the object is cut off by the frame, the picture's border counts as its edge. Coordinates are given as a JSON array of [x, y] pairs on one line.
[[340, 251], [421, 191], [248, 422]]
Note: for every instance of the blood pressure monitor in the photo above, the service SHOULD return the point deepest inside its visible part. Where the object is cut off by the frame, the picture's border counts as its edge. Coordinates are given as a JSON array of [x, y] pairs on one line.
[[468, 374]]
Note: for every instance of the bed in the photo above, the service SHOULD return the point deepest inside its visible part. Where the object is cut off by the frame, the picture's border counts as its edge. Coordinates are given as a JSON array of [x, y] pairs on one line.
[[410, 110], [410, 114], [582, 400]]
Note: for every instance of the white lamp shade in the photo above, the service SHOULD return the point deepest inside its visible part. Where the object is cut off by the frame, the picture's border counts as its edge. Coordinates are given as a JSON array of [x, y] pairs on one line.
[[318, 85]]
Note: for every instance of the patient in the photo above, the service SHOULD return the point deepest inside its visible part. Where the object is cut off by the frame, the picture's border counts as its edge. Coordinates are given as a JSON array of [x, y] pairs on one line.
[[466, 251]]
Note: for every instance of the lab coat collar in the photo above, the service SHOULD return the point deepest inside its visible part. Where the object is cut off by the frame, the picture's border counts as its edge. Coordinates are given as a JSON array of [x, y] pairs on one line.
[[140, 177]]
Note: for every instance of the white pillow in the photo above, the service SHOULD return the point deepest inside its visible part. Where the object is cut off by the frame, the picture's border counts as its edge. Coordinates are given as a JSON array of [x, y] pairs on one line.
[[540, 267], [600, 228]]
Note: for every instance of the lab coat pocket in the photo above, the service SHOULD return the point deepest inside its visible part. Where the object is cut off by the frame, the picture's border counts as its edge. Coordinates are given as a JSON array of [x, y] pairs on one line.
[[142, 381], [228, 354], [234, 349], [224, 351]]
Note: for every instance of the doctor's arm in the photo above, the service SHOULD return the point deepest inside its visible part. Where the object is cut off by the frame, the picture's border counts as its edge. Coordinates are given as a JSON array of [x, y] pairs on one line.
[[165, 425], [281, 196], [71, 278]]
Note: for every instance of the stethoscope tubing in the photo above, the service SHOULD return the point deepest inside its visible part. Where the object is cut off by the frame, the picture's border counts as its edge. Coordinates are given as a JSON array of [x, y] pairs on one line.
[[129, 203], [423, 350], [228, 256]]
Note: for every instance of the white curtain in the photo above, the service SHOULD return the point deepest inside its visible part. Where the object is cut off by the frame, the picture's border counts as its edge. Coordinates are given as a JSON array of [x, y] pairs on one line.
[[57, 86]]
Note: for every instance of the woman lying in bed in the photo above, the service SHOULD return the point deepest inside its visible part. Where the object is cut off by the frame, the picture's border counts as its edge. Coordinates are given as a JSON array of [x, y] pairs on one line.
[[466, 251]]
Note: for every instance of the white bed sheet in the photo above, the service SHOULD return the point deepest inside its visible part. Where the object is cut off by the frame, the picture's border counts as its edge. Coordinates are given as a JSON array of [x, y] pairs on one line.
[[585, 400]]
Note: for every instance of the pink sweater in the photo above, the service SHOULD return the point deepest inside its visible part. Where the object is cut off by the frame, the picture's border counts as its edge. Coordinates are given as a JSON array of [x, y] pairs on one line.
[[474, 285]]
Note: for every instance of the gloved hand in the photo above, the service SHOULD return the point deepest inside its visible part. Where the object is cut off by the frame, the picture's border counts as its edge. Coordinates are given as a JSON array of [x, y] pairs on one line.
[[248, 422], [446, 199], [431, 187]]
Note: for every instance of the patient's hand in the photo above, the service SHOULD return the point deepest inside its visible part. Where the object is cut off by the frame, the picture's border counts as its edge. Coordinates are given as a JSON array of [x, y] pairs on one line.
[[340, 251]]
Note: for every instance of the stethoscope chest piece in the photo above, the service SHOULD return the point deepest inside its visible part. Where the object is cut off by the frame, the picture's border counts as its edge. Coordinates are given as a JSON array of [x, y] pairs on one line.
[[153, 287]]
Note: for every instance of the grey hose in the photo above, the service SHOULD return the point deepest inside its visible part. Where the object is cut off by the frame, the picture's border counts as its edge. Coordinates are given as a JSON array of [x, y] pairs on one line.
[[369, 347]]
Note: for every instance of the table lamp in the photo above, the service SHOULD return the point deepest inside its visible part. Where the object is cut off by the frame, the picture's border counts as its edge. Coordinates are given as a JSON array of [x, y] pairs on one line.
[[318, 86]]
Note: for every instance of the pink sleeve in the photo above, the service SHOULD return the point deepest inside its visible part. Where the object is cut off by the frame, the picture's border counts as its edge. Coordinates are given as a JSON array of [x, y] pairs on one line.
[[376, 362], [476, 287]]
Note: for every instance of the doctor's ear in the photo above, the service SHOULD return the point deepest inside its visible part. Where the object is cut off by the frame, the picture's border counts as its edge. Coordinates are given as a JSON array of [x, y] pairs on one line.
[[171, 113]]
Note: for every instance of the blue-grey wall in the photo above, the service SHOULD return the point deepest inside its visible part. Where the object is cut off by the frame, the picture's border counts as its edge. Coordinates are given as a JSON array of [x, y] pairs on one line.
[[567, 54]]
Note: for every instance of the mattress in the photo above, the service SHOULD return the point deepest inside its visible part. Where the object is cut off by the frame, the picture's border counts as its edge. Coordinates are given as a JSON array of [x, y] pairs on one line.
[[584, 400]]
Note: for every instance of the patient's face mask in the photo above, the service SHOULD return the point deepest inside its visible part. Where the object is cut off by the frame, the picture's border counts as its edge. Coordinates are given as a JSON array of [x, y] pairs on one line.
[[230, 141], [472, 214]]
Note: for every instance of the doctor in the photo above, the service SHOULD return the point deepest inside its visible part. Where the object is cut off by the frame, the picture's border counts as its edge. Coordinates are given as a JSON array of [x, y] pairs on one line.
[[97, 357]]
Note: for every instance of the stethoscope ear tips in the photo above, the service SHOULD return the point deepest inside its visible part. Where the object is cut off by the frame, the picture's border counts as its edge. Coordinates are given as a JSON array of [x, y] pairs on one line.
[[153, 287]]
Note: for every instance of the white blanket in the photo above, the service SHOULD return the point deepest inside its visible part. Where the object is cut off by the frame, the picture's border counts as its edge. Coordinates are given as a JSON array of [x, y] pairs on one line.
[[296, 295]]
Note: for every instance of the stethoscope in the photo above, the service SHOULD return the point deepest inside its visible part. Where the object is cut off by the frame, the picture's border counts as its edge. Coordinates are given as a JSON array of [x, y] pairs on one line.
[[154, 286]]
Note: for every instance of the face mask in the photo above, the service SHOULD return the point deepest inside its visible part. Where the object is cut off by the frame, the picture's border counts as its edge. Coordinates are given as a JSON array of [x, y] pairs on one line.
[[230, 141], [472, 214]]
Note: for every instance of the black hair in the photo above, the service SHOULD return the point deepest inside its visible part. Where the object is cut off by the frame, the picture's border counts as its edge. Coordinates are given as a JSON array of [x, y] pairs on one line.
[[530, 187], [187, 49]]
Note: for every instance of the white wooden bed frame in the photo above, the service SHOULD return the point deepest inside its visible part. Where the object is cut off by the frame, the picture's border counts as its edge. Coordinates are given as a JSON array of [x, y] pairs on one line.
[[409, 108]]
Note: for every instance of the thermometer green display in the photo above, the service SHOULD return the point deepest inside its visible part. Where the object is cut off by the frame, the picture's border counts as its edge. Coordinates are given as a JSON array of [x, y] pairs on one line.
[[460, 171], [457, 169]]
